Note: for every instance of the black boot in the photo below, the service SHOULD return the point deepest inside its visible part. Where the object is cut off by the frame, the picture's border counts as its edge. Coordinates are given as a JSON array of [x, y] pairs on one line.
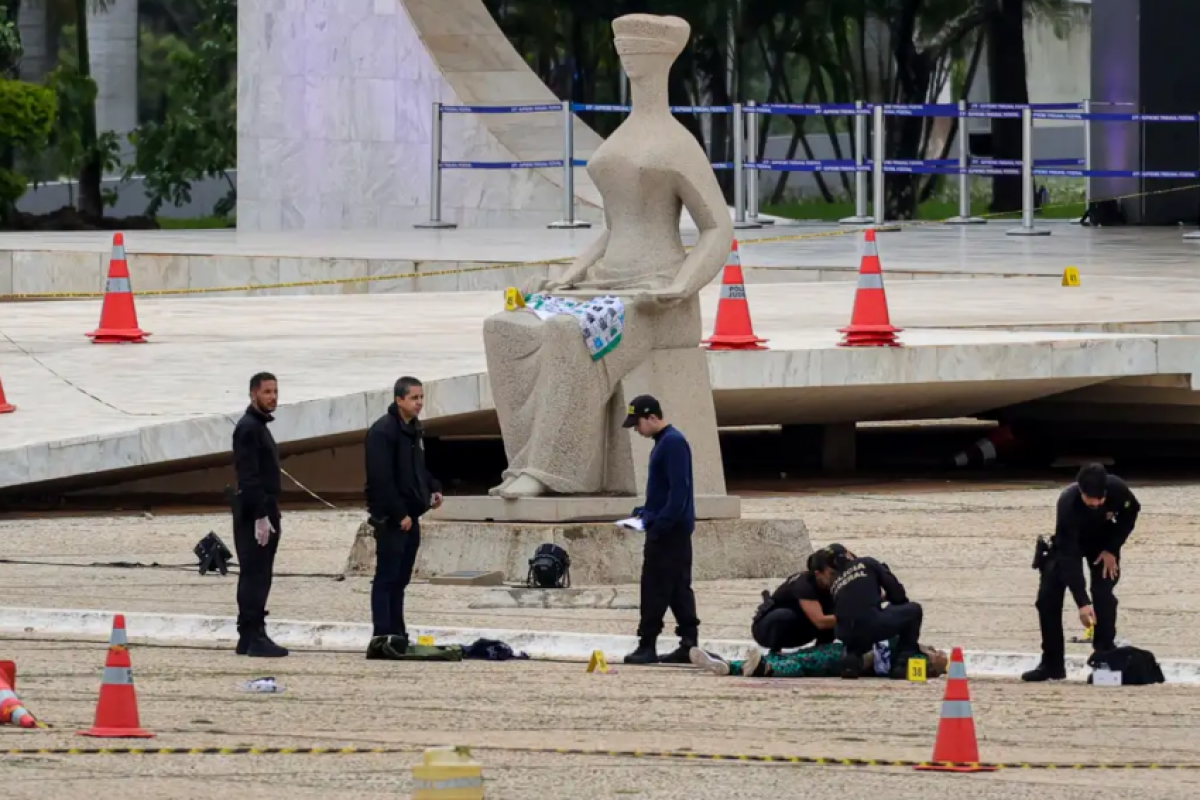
[[646, 653], [681, 654], [243, 642], [261, 646], [851, 667], [1042, 673], [387, 648]]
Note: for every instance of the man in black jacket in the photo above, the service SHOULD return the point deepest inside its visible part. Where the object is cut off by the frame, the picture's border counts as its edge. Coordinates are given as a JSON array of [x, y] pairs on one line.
[[256, 524], [1094, 517], [857, 585], [668, 518], [399, 490]]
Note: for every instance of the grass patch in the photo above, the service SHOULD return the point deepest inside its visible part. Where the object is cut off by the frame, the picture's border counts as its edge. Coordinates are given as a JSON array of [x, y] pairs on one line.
[[196, 223], [933, 210]]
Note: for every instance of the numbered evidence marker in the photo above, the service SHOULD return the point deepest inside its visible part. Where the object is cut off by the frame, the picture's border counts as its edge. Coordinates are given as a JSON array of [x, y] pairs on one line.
[[513, 299], [916, 670], [597, 662], [425, 641], [1070, 277]]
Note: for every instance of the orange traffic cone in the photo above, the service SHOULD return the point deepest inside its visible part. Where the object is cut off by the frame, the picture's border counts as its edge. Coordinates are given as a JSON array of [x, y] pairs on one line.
[[955, 749], [12, 710], [5, 406], [117, 712], [118, 317], [870, 325], [733, 330]]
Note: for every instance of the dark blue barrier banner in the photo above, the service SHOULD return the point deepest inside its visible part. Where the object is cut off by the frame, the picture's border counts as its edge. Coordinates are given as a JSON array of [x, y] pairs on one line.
[[501, 164], [540, 109]]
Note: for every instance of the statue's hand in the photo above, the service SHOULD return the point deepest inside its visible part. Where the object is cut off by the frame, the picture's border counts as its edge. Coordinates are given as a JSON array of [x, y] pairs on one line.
[[537, 286]]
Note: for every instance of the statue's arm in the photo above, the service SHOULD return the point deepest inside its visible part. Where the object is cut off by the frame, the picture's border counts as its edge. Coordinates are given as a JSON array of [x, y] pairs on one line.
[[581, 265], [701, 195]]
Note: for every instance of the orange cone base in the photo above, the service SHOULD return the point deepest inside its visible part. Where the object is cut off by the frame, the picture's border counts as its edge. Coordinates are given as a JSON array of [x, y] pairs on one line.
[[734, 342], [955, 768], [7, 408], [118, 336], [117, 733]]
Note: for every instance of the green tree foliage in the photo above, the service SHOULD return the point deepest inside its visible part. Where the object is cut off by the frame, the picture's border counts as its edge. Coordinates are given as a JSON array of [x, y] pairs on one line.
[[196, 136], [26, 121]]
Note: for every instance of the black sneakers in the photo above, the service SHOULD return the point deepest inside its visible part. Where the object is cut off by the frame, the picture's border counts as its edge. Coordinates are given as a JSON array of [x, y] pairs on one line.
[[680, 655], [387, 648], [646, 653], [1042, 673], [261, 646]]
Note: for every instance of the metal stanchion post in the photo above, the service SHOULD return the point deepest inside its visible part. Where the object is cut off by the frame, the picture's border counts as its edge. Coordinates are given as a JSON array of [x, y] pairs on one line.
[[1027, 201], [568, 176], [752, 177], [860, 160], [878, 150], [964, 176], [1192, 235], [739, 172], [435, 176]]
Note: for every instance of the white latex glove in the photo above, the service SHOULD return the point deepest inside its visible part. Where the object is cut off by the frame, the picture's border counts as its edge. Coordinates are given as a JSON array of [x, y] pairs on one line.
[[263, 530]]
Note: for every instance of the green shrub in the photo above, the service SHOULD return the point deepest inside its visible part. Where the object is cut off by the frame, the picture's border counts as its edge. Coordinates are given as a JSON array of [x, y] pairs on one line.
[[27, 116]]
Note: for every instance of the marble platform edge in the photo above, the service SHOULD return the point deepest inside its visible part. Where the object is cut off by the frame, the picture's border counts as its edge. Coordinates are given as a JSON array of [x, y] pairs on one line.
[[151, 627], [1044, 364], [569, 509]]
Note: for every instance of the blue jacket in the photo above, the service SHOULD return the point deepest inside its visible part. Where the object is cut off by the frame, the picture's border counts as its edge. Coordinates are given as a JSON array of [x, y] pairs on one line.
[[670, 502]]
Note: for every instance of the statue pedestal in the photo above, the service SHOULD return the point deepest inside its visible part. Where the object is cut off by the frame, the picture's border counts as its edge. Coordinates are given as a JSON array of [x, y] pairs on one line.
[[568, 509]]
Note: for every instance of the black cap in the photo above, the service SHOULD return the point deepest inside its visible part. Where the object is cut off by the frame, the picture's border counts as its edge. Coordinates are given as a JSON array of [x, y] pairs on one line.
[[824, 558], [641, 407]]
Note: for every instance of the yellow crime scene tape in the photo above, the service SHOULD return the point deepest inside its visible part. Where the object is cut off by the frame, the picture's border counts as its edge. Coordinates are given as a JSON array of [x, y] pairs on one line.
[[796, 237], [673, 755]]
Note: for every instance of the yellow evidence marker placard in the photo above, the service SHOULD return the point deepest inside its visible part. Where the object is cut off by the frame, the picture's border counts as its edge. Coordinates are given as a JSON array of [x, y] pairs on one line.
[[597, 662], [513, 299], [916, 670], [425, 641], [1070, 277]]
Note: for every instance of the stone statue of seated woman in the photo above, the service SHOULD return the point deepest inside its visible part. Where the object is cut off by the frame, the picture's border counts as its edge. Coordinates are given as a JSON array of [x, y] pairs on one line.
[[554, 365]]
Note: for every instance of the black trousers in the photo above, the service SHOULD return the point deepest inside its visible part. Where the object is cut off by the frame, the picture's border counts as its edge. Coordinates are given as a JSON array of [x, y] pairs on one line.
[[667, 583], [256, 567], [1051, 593], [395, 557], [903, 621], [785, 628]]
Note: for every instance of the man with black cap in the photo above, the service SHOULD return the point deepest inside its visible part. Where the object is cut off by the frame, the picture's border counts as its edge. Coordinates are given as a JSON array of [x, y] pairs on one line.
[[668, 519]]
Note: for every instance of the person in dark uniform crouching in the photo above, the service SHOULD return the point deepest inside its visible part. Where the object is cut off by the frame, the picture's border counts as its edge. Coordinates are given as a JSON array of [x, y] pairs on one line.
[[668, 519], [798, 613], [1094, 518], [256, 522], [857, 584], [400, 489]]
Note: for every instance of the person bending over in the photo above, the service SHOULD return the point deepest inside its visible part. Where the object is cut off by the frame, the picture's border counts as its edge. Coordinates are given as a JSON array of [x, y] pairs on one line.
[[797, 613], [858, 586]]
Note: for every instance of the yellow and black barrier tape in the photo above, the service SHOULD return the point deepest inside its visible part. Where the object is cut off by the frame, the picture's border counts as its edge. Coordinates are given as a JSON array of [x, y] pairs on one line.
[[850, 230], [673, 755]]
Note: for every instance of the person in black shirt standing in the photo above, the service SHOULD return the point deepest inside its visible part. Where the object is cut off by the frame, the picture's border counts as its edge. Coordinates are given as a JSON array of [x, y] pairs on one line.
[[1094, 517], [668, 519], [256, 522], [857, 585], [399, 490]]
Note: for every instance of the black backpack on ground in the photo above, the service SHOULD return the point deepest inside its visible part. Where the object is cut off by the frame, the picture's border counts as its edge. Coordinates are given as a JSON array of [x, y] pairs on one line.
[[1137, 667], [550, 568]]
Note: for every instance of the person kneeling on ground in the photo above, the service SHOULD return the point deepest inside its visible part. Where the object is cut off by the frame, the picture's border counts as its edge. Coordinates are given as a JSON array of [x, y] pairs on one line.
[[858, 586], [797, 613], [819, 661]]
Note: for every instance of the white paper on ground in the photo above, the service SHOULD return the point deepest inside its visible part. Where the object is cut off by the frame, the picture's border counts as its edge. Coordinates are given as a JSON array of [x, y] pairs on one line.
[[1106, 677], [633, 523]]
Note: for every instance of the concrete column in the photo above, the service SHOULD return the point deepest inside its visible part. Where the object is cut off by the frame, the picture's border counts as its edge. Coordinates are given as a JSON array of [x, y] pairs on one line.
[[832, 448], [33, 29], [113, 40]]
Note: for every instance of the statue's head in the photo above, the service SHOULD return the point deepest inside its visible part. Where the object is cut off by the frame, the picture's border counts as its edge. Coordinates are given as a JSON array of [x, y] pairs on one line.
[[647, 43]]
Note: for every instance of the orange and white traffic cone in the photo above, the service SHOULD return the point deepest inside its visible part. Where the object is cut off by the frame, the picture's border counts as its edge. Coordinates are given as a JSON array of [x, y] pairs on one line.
[[733, 329], [118, 316], [955, 749], [870, 324], [5, 406], [12, 710], [117, 711]]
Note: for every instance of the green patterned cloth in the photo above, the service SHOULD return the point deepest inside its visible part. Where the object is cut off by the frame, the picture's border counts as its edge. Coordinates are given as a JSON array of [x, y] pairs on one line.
[[818, 661], [601, 319]]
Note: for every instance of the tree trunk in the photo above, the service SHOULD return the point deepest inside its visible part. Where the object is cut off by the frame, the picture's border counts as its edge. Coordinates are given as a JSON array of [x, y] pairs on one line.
[[91, 203], [914, 71], [1006, 74]]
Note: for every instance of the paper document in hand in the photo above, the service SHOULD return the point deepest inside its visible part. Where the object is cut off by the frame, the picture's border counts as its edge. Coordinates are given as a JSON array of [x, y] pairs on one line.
[[633, 523]]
